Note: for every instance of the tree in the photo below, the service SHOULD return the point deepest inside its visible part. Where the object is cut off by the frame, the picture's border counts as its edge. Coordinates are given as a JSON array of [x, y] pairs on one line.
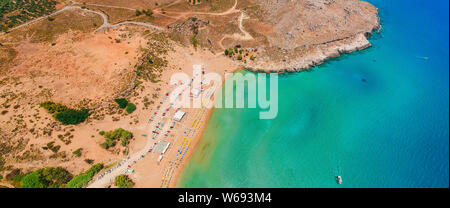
[[122, 102], [72, 116], [32, 180], [64, 114], [230, 52], [124, 142], [131, 108], [52, 107], [46, 178], [123, 181], [112, 136]]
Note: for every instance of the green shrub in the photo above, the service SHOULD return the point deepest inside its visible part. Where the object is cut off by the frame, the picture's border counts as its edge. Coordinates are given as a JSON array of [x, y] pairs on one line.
[[46, 178], [18, 178], [32, 180], [123, 181], [101, 133], [194, 41], [72, 116], [112, 136], [89, 161], [122, 102], [77, 152], [239, 57], [131, 107], [53, 108], [124, 142], [138, 13], [83, 179], [52, 147], [108, 143], [64, 114]]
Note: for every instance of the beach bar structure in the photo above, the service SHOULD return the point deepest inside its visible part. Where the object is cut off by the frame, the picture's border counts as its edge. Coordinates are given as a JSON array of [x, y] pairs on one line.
[[179, 115], [161, 147], [196, 92]]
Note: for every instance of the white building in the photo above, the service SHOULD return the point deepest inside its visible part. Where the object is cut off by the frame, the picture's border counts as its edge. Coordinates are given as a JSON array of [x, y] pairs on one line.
[[179, 115], [162, 147], [196, 92]]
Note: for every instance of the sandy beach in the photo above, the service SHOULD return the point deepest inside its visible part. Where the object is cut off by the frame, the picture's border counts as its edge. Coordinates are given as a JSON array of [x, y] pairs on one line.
[[143, 166]]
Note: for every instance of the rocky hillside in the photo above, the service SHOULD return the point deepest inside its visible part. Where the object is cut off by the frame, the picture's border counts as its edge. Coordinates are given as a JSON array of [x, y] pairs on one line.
[[305, 32]]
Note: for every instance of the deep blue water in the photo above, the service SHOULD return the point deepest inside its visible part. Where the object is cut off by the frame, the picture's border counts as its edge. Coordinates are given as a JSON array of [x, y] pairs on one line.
[[390, 131]]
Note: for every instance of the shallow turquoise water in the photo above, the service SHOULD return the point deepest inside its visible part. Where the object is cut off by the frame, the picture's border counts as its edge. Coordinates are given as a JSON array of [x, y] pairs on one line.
[[389, 131]]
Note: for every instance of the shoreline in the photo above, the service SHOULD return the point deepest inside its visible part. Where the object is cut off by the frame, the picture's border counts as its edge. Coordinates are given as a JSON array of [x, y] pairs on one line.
[[197, 138], [321, 52], [188, 156], [316, 57]]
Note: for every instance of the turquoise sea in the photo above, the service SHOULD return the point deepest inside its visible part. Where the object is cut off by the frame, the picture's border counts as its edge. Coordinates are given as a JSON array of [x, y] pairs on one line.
[[378, 117]]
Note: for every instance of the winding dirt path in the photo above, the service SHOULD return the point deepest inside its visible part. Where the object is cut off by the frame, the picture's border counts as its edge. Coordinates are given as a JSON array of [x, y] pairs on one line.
[[136, 23], [237, 36]]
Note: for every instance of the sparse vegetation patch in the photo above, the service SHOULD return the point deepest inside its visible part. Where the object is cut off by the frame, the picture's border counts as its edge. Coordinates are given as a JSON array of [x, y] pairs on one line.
[[123, 181], [83, 179], [46, 178], [64, 114], [15, 12], [118, 134]]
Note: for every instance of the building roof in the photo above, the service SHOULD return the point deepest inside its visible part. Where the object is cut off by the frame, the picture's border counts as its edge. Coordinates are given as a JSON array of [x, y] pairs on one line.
[[178, 115], [161, 147]]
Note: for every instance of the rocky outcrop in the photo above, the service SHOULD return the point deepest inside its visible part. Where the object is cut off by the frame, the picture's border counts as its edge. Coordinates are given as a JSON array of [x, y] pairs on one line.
[[307, 32], [315, 56]]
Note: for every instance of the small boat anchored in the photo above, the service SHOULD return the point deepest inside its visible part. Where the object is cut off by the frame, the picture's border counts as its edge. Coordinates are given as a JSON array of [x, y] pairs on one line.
[[338, 179]]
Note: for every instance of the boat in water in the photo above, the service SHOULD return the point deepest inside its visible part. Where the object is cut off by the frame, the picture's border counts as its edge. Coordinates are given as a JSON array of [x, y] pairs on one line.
[[338, 179]]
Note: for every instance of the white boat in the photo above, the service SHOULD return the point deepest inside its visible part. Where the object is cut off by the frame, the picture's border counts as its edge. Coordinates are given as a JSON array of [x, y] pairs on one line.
[[339, 179]]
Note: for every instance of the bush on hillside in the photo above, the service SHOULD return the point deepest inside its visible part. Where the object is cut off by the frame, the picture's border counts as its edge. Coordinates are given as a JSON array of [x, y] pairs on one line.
[[46, 178], [112, 136], [123, 181], [64, 114], [83, 179], [77, 152], [131, 107], [122, 102], [53, 108], [72, 116]]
